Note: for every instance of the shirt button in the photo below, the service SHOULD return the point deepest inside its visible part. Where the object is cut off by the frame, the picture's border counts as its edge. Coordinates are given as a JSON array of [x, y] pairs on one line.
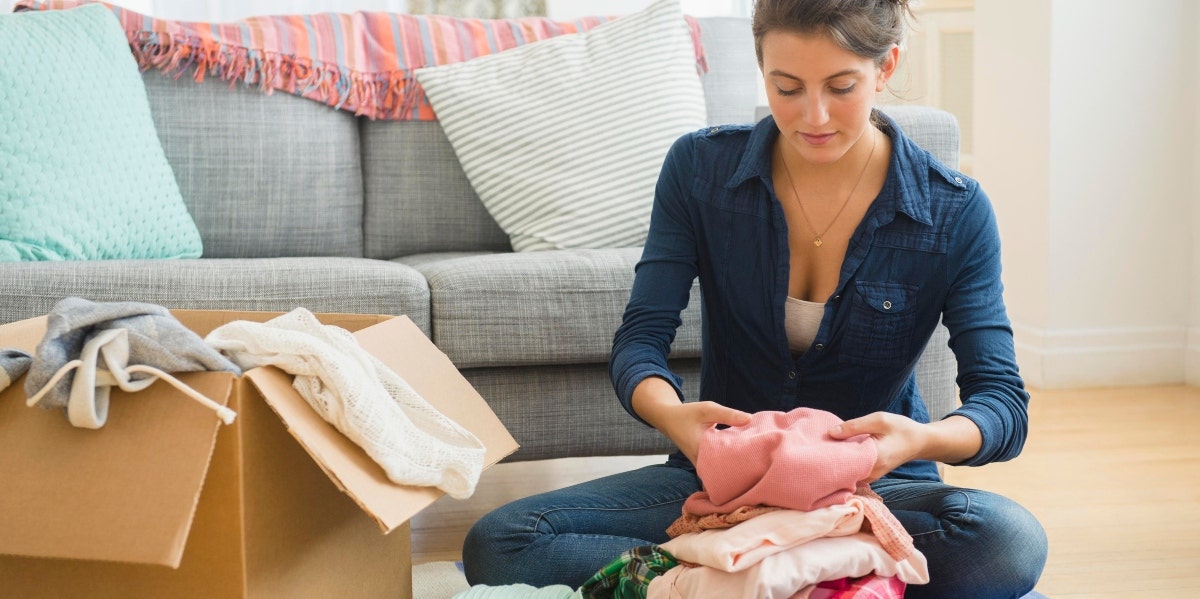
[[837, 298], [819, 346], [958, 180], [887, 305], [714, 130], [791, 374]]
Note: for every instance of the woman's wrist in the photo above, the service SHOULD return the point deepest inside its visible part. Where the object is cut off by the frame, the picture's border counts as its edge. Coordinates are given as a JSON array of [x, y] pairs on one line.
[[951, 440], [652, 397]]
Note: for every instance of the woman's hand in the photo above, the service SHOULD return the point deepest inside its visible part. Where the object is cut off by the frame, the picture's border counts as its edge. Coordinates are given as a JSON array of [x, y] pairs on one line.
[[900, 439], [683, 423]]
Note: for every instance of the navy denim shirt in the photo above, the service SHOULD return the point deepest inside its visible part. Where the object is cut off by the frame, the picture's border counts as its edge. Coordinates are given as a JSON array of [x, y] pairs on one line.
[[927, 249]]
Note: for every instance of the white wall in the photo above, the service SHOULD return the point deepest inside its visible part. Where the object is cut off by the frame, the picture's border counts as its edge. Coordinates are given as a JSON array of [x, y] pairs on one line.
[[1012, 93], [1086, 139]]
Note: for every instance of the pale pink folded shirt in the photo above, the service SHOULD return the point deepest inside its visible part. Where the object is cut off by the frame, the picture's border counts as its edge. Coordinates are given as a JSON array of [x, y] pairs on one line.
[[735, 549]]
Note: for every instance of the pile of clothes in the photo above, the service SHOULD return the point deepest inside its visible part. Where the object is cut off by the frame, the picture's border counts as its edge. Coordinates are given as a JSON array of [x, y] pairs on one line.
[[784, 513]]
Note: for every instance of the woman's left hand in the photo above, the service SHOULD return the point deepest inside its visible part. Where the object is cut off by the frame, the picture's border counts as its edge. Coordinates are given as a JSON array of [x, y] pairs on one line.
[[898, 439]]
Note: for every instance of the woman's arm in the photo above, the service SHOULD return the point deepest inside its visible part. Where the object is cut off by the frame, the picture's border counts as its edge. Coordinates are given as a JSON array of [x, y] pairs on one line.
[[993, 393], [900, 439], [662, 284], [662, 287]]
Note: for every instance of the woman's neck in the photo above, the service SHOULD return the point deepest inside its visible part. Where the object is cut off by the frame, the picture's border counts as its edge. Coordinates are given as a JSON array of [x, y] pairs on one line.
[[832, 180]]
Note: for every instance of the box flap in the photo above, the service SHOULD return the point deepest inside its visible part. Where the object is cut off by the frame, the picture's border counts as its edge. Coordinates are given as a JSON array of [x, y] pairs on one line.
[[402, 346], [126, 492], [23, 334]]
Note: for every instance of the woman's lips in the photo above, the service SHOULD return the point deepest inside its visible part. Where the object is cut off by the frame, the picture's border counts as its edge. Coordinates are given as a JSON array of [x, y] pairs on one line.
[[817, 140]]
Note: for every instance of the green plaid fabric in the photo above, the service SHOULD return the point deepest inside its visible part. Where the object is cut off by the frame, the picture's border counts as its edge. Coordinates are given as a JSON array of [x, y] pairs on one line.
[[628, 576]]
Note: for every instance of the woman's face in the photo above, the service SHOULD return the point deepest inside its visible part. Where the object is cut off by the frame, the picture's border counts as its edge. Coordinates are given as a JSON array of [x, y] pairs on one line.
[[819, 93]]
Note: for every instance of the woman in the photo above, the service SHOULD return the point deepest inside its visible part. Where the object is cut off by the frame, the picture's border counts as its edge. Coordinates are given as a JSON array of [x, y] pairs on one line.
[[828, 246]]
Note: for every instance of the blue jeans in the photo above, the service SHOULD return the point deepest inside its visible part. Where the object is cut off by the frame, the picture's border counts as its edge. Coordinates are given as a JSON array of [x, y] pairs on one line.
[[978, 544]]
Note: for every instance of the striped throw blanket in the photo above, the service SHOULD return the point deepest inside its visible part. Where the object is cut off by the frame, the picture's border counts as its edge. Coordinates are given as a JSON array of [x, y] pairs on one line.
[[362, 62]]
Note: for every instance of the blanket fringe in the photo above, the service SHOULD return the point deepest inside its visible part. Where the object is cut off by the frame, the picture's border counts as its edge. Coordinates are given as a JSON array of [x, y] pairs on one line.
[[375, 95]]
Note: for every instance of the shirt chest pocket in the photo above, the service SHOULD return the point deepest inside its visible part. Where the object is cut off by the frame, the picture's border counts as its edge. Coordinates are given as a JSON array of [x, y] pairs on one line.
[[880, 327]]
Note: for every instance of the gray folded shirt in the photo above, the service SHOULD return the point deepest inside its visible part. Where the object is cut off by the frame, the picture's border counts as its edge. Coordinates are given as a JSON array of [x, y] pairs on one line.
[[156, 338]]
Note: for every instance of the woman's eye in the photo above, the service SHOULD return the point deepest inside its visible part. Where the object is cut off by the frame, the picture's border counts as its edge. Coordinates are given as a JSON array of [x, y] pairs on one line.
[[842, 90], [788, 92]]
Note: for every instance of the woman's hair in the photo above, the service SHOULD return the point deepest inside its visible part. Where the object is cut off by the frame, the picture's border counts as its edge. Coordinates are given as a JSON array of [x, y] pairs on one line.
[[868, 28]]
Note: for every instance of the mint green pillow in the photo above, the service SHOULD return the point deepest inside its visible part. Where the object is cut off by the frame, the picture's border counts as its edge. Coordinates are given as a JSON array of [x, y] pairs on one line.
[[82, 172]]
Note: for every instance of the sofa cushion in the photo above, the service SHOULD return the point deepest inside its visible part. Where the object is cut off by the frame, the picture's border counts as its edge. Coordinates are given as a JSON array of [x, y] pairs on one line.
[[571, 411], [264, 176], [82, 173], [350, 285], [563, 139], [731, 84], [552, 307], [417, 197], [933, 129]]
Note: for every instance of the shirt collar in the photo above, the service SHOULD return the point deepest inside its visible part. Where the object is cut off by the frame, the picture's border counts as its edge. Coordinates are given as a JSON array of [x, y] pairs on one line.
[[908, 170]]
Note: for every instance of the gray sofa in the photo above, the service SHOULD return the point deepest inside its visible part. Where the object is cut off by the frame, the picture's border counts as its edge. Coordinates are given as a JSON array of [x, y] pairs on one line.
[[302, 205]]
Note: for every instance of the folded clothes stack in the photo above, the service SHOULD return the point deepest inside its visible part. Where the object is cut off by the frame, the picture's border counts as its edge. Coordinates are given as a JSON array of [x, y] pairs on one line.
[[785, 512]]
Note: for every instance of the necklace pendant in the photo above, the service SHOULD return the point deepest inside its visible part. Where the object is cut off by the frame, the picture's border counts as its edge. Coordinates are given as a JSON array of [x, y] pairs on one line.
[[817, 241]]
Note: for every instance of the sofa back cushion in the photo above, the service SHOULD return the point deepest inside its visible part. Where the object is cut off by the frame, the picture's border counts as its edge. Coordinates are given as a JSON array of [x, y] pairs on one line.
[[418, 199], [262, 175], [731, 83]]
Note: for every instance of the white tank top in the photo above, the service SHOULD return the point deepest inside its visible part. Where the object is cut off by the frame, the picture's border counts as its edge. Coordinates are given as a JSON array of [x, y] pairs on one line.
[[801, 319]]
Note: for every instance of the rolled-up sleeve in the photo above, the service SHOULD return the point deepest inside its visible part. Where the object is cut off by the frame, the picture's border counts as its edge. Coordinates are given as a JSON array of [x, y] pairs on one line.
[[992, 391], [662, 282]]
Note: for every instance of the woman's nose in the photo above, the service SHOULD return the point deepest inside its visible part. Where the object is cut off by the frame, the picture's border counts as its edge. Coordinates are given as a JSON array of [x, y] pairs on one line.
[[816, 112]]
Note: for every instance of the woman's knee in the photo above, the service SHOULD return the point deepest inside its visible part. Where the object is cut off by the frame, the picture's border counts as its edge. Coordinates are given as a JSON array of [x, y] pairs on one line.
[[568, 533], [493, 542], [1019, 543], [995, 548]]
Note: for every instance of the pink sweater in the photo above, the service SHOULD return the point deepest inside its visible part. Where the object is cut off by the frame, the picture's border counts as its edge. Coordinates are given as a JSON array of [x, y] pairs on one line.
[[781, 459]]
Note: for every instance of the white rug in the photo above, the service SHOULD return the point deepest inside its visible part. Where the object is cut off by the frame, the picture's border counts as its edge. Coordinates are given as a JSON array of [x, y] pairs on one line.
[[438, 580]]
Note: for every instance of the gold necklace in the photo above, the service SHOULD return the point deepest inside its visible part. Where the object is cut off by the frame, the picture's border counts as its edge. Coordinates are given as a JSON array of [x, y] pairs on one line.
[[787, 172]]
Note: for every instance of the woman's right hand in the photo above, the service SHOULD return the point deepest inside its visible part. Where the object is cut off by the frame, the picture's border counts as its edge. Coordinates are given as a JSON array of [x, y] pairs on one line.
[[655, 401], [688, 421]]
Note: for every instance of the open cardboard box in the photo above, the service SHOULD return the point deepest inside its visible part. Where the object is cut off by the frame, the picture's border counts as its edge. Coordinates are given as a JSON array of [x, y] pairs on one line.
[[164, 501]]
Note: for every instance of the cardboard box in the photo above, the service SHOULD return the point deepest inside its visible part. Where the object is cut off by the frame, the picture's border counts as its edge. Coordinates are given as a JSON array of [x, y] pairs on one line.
[[164, 501]]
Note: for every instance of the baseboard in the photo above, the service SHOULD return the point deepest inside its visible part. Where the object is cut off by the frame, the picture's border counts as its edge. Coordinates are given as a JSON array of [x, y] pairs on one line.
[[1117, 357], [1192, 358]]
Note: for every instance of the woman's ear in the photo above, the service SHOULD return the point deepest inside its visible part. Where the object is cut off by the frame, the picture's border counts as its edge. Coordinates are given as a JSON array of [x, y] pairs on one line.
[[888, 68]]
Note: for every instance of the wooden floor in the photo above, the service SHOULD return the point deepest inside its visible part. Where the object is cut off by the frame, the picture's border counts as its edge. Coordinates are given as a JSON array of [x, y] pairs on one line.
[[1113, 475]]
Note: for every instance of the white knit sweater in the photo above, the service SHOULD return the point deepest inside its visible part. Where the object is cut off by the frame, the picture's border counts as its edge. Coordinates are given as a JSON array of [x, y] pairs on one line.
[[361, 397]]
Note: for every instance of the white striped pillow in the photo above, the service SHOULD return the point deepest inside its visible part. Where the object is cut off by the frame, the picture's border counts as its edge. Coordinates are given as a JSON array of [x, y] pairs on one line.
[[563, 138]]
